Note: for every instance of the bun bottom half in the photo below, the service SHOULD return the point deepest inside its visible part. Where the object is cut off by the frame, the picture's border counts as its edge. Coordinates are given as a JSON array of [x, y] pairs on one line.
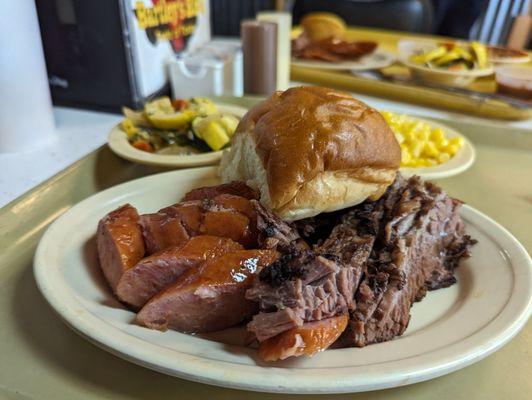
[[327, 191]]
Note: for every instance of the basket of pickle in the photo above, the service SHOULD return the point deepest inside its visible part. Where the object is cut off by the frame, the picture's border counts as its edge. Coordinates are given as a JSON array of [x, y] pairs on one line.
[[176, 133], [429, 149]]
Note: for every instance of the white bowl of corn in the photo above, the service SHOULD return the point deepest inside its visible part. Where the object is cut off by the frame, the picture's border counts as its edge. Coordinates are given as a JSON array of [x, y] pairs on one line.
[[429, 149]]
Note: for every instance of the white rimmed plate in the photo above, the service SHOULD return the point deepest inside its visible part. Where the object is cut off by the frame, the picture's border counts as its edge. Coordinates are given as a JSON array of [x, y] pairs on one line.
[[512, 56], [376, 60], [120, 145], [450, 329], [461, 161], [407, 48]]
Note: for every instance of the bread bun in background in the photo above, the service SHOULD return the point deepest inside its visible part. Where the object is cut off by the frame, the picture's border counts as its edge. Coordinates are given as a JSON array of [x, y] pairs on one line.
[[310, 150], [323, 25]]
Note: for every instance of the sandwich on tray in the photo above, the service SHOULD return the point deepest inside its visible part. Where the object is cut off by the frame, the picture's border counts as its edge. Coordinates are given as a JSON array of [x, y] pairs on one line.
[[313, 240]]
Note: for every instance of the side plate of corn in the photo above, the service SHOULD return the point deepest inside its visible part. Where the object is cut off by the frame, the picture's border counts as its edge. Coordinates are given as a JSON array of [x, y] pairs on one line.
[[430, 149]]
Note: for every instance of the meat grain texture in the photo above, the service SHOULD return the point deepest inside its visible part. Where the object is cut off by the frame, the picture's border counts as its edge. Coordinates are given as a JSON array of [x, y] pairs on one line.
[[370, 262]]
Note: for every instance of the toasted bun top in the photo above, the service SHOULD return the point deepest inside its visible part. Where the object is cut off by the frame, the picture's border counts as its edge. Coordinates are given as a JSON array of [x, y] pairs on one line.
[[310, 133]]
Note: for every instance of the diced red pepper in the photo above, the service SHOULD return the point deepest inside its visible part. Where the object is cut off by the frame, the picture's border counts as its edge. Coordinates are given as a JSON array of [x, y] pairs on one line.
[[179, 104], [448, 45], [143, 145]]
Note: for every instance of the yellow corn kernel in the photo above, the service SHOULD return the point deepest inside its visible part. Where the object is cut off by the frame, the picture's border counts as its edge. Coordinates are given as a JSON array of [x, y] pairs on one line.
[[405, 154], [416, 149], [422, 135], [430, 150], [388, 116], [129, 127], [443, 157], [416, 163], [458, 141], [451, 149], [411, 126], [409, 136], [437, 135], [440, 144]]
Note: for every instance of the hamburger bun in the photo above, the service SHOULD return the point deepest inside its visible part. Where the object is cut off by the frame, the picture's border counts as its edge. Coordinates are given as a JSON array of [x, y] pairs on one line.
[[323, 25], [310, 150]]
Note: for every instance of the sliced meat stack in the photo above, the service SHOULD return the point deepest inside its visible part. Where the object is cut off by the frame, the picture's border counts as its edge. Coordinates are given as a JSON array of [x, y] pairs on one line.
[[120, 244], [374, 261], [219, 258], [210, 298], [330, 49], [154, 273], [420, 244], [225, 215], [194, 252]]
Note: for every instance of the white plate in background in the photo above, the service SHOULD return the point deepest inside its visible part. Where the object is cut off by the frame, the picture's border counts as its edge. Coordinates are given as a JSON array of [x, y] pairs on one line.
[[407, 48], [120, 146], [376, 60]]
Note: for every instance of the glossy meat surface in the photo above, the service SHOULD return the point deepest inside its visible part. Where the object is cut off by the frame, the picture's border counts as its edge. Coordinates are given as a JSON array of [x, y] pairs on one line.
[[224, 215], [308, 339], [119, 242], [162, 230], [209, 299], [189, 213], [154, 273]]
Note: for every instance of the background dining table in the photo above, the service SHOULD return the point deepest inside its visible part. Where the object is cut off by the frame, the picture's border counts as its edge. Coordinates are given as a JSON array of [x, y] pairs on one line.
[[40, 357]]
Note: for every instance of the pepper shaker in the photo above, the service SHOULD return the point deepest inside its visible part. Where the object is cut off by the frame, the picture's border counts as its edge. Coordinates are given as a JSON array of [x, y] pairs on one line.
[[284, 27], [259, 47]]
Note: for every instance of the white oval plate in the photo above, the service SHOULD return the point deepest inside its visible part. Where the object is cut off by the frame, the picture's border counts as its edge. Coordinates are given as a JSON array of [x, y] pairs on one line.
[[449, 329], [376, 60], [407, 48], [120, 145], [461, 161]]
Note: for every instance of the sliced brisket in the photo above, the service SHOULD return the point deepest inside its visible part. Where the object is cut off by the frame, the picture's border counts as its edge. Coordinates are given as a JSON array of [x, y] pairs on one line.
[[313, 284], [371, 261], [418, 248], [273, 232]]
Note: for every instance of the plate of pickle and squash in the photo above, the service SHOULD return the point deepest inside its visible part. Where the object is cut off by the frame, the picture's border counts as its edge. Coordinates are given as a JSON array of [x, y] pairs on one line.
[[176, 133], [454, 64]]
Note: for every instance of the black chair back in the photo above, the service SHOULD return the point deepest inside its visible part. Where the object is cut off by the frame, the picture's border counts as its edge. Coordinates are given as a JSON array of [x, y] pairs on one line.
[[227, 14], [401, 15]]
